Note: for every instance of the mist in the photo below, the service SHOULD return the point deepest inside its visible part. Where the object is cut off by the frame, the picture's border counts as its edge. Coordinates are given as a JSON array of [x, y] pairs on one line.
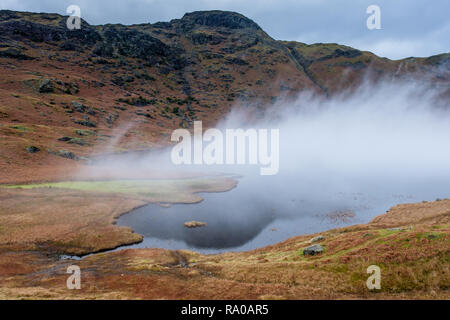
[[362, 151]]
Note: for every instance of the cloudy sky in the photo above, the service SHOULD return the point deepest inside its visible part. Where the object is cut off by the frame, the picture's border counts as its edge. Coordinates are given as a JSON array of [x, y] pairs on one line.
[[408, 28]]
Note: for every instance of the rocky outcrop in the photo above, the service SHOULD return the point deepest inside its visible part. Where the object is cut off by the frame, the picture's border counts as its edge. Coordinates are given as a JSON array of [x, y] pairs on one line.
[[14, 53], [31, 26], [217, 19], [133, 43], [218, 55]]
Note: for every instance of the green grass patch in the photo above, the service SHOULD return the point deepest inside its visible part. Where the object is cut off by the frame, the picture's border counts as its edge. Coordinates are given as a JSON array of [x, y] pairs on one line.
[[429, 235], [155, 188], [21, 128]]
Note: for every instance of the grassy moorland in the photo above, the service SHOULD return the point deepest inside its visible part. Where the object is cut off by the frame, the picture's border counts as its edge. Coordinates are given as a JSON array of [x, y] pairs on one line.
[[410, 243], [78, 217]]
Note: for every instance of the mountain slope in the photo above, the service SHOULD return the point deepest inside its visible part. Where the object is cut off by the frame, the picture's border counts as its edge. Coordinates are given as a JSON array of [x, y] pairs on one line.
[[68, 92]]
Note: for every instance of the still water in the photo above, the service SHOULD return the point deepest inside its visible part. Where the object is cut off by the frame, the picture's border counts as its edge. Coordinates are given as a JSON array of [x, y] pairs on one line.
[[258, 214]]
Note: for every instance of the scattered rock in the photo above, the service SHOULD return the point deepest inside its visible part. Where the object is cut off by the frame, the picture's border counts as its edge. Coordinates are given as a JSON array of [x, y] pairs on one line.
[[46, 86], [350, 53], [201, 38], [78, 141], [79, 107], [111, 118], [313, 250], [68, 46], [64, 154], [145, 76], [33, 149], [121, 80], [138, 102], [14, 54], [86, 123], [67, 154], [145, 114], [84, 132], [194, 224], [318, 238]]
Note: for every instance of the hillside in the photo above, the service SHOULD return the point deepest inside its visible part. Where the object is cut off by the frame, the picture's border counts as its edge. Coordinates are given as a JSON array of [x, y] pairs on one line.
[[63, 93]]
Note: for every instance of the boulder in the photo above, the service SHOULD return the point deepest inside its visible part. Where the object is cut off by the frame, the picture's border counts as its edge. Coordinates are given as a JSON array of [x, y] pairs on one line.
[[194, 224], [313, 250], [318, 238]]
